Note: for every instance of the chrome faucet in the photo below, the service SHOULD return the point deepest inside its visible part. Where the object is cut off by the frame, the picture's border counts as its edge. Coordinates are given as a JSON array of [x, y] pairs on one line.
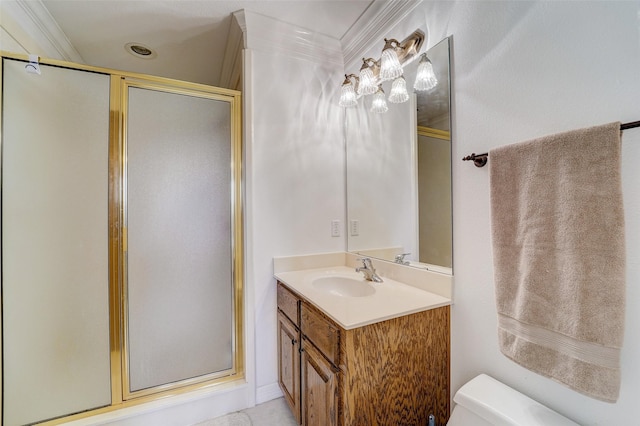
[[368, 270], [400, 259]]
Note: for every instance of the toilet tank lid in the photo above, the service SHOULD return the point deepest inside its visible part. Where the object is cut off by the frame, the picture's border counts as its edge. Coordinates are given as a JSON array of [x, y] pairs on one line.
[[501, 405]]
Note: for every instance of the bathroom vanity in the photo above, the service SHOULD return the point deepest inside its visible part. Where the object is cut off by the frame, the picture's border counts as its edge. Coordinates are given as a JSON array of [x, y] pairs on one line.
[[361, 358]]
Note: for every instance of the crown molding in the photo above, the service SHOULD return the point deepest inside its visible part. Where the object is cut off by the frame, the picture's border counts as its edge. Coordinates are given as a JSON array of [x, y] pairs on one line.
[[263, 33], [230, 76], [376, 22], [43, 31], [251, 30], [241, 20], [9, 43]]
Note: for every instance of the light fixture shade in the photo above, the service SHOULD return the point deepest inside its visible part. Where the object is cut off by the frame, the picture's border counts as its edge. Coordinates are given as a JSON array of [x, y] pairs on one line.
[[399, 93], [379, 104], [367, 84], [390, 66], [425, 77], [348, 97]]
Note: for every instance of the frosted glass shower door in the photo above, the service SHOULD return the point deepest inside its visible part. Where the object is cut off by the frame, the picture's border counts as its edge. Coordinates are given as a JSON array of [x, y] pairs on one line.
[[179, 287], [55, 289]]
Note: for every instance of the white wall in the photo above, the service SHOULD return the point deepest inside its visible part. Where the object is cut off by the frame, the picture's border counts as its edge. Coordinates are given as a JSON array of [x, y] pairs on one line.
[[295, 165], [522, 70]]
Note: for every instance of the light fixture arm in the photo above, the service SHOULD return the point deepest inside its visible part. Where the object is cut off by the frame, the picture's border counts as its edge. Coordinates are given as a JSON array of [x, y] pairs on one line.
[[390, 43], [353, 79], [410, 46], [348, 77], [368, 62], [371, 63]]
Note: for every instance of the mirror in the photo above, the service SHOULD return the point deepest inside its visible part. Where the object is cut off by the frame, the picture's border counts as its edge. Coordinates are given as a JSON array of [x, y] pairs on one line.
[[399, 174]]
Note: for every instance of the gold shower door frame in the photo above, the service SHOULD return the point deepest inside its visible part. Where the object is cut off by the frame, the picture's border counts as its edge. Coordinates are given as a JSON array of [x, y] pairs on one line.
[[119, 207], [120, 82]]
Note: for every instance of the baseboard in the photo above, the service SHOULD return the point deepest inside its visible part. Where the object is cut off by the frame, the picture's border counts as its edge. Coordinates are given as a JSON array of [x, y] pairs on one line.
[[267, 393]]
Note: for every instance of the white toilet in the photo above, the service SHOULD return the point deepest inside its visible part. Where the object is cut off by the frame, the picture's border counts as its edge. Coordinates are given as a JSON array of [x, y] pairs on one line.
[[484, 401]]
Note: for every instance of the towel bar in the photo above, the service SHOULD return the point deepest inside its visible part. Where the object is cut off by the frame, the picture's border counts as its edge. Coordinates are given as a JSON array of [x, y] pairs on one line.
[[480, 160]]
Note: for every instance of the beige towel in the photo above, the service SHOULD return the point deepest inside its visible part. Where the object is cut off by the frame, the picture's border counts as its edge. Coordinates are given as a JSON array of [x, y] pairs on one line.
[[559, 256]]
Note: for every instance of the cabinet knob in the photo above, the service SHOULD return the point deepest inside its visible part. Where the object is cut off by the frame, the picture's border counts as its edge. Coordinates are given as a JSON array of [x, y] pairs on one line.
[[294, 341]]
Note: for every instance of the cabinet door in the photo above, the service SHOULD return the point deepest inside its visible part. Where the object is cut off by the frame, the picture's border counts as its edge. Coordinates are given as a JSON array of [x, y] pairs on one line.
[[319, 388], [289, 363]]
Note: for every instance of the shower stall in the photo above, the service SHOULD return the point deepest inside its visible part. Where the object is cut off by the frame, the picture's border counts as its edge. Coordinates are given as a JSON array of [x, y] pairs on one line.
[[121, 239]]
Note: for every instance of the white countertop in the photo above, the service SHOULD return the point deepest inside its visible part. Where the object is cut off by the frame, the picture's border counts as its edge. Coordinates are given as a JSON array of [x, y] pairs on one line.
[[391, 299]]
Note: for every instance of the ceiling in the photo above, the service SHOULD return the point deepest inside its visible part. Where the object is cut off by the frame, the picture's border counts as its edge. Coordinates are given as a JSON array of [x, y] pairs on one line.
[[188, 36]]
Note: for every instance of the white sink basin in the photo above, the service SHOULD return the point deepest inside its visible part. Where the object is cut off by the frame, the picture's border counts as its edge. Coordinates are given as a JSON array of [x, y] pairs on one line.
[[344, 286]]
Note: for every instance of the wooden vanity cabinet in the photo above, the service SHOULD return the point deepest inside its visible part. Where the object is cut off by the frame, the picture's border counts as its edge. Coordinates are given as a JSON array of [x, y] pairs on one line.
[[289, 349], [319, 396], [289, 363], [393, 372]]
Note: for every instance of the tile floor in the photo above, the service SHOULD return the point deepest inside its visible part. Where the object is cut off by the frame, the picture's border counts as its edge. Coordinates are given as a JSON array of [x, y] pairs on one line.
[[271, 413]]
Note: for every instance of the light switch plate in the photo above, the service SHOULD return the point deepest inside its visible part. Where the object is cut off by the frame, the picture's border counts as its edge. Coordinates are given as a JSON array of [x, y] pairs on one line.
[[335, 228], [354, 228]]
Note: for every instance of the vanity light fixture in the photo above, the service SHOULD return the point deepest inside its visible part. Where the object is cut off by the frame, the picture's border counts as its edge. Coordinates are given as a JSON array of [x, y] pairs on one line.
[[348, 95], [379, 104], [390, 66], [425, 77], [368, 80], [399, 92], [374, 72]]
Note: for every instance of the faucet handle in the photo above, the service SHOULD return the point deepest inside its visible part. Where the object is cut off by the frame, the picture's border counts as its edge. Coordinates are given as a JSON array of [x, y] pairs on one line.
[[366, 261], [368, 270], [400, 257]]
